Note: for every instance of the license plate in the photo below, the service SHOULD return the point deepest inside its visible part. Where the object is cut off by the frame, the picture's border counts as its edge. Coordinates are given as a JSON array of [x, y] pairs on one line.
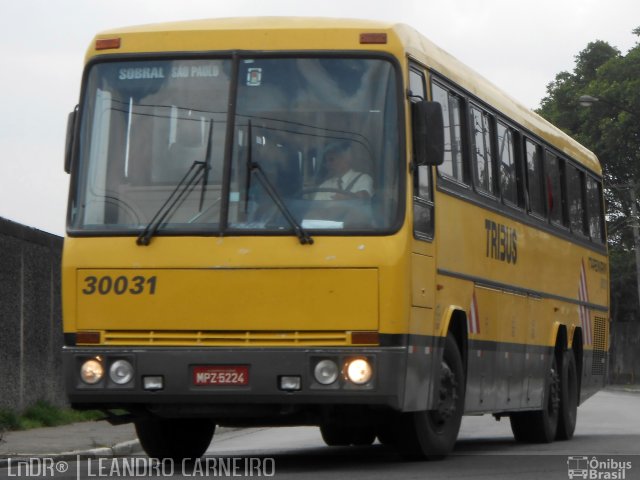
[[220, 375]]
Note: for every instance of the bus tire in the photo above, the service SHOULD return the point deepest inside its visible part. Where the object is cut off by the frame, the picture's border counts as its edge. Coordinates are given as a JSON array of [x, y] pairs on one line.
[[568, 396], [432, 434], [335, 435], [363, 436], [385, 435], [175, 438], [340, 436], [540, 426]]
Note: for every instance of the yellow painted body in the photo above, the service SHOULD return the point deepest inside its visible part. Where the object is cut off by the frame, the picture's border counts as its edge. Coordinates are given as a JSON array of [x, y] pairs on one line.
[[547, 265], [233, 284]]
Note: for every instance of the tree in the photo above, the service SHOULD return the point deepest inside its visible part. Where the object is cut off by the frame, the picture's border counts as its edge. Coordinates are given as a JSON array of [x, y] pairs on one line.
[[611, 128]]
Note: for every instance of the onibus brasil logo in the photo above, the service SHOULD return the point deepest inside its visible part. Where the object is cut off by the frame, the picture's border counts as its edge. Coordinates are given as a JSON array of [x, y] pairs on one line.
[[597, 469]]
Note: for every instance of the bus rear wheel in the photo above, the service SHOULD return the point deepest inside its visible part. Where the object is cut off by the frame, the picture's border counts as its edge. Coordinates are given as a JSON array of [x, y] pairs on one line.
[[540, 426], [432, 434], [175, 438], [568, 396]]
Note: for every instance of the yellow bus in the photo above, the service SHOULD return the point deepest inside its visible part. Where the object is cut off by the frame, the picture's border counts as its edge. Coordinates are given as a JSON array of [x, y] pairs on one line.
[[307, 221]]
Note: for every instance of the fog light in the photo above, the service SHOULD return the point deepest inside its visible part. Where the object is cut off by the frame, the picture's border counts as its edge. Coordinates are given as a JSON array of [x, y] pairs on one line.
[[92, 371], [359, 371], [155, 382], [326, 372], [290, 383], [121, 372]]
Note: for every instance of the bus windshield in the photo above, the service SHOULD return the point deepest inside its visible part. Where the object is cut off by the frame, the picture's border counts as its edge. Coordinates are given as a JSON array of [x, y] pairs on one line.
[[195, 144]]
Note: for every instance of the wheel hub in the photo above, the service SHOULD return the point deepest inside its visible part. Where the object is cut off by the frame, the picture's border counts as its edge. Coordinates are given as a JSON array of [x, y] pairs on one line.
[[447, 395]]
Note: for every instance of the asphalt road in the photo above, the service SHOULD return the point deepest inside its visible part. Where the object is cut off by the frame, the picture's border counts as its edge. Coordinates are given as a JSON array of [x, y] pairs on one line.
[[606, 445]]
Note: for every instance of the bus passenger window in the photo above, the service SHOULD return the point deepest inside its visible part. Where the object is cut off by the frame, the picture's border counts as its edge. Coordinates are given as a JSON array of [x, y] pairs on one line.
[[554, 172], [508, 166], [594, 209], [451, 111], [482, 159], [534, 178], [576, 200]]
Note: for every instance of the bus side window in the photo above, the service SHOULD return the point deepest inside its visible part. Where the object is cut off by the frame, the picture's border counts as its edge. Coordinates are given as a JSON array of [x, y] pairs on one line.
[[535, 185], [554, 179], [482, 154], [595, 211], [575, 197], [452, 107], [508, 168], [422, 185]]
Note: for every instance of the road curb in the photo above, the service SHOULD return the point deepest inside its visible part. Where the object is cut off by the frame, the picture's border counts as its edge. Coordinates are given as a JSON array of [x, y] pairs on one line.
[[118, 450], [631, 388]]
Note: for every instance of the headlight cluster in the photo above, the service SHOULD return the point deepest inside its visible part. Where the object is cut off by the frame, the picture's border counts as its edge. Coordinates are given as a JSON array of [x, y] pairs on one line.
[[354, 370], [326, 372], [359, 371], [93, 371], [121, 372]]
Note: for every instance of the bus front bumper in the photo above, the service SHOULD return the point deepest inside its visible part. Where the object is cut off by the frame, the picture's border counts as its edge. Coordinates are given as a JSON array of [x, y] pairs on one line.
[[232, 376]]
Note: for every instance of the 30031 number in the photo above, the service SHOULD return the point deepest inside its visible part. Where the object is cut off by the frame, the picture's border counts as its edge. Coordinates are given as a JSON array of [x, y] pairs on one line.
[[120, 285]]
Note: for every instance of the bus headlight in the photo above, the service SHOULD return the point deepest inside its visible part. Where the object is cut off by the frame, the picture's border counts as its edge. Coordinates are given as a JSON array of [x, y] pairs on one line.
[[326, 372], [121, 372], [359, 371], [91, 371]]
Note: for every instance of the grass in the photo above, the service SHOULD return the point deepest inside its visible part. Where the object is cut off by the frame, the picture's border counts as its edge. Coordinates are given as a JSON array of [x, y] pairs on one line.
[[43, 414]]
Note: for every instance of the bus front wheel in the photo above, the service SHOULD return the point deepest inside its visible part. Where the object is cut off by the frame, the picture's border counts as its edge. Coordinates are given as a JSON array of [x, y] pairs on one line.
[[339, 435], [175, 438], [432, 434]]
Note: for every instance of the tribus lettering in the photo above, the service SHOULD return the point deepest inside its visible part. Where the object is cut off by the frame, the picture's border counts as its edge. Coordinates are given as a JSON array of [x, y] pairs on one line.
[[502, 242]]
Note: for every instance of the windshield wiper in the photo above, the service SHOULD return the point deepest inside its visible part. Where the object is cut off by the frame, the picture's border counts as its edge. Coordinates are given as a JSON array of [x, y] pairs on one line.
[[255, 168], [179, 191], [301, 233], [190, 178], [207, 165]]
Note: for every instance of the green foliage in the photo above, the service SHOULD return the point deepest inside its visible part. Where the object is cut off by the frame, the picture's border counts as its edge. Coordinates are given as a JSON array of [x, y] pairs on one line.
[[43, 414], [9, 420], [610, 128]]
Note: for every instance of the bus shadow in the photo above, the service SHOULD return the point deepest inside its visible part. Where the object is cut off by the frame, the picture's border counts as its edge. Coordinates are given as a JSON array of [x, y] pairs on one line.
[[375, 458], [489, 454]]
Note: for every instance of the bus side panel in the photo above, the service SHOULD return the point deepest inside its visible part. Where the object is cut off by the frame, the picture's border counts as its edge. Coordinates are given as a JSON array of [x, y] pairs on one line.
[[424, 349], [424, 355], [518, 285]]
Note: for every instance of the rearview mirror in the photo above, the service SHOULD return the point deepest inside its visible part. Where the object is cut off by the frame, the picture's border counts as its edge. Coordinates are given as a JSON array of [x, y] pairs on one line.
[[428, 133], [68, 146]]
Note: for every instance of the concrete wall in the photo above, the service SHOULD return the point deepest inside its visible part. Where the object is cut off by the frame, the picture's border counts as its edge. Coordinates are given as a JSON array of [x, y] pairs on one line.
[[30, 317], [624, 355]]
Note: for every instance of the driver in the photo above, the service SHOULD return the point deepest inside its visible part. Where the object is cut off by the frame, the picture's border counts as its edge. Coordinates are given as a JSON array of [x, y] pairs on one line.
[[343, 181]]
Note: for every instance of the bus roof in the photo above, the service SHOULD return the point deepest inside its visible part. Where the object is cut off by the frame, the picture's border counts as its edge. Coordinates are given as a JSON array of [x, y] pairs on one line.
[[312, 33]]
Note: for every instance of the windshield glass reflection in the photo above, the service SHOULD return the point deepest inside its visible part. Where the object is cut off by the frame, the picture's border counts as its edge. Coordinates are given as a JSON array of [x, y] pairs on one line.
[[322, 131]]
